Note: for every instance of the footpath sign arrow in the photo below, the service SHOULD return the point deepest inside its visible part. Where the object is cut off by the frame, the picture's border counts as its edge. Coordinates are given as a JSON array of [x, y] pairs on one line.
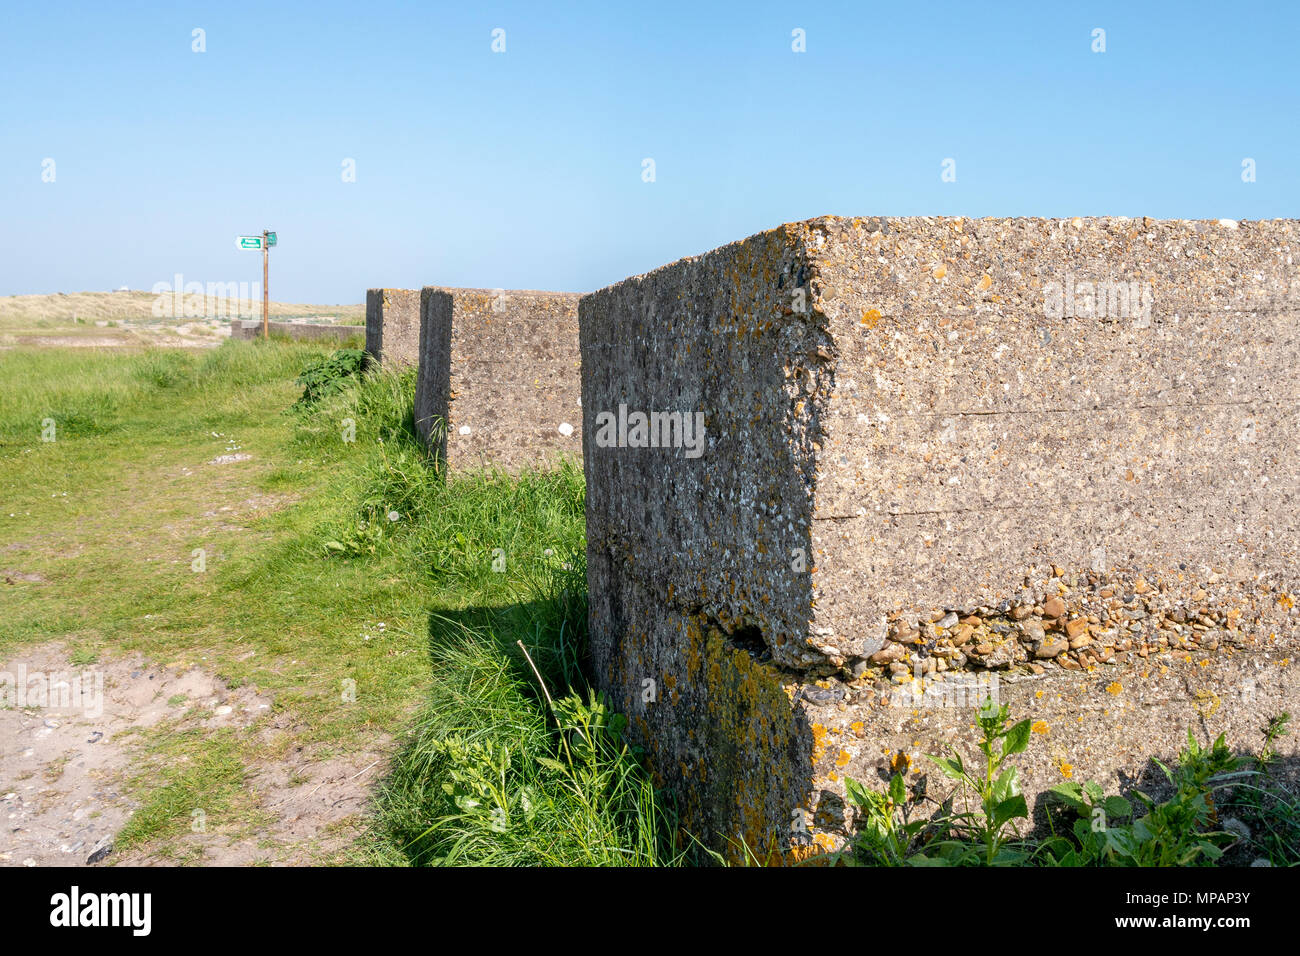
[[249, 242]]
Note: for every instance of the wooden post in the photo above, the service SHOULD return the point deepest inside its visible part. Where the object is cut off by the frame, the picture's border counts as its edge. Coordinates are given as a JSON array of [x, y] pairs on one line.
[[266, 285]]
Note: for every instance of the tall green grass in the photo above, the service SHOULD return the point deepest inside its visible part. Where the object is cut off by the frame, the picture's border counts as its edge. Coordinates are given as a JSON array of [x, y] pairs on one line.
[[478, 533], [513, 759], [507, 765]]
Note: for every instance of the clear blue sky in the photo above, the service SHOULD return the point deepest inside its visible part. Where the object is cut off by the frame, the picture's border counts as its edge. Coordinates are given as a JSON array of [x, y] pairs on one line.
[[524, 169]]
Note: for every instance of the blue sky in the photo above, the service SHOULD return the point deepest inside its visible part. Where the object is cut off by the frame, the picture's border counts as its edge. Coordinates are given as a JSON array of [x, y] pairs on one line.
[[523, 169]]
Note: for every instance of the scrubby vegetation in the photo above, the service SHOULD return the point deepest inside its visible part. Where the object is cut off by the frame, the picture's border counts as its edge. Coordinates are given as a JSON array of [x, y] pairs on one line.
[[1219, 802]]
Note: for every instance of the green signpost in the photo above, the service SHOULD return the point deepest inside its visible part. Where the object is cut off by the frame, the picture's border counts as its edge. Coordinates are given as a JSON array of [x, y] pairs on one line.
[[264, 242]]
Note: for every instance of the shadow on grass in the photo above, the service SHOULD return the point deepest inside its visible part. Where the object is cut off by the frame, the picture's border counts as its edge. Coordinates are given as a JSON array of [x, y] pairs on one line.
[[513, 759]]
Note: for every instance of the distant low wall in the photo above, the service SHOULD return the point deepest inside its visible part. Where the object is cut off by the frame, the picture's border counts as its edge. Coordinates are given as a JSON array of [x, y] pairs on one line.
[[393, 326], [498, 383], [1047, 461], [247, 330]]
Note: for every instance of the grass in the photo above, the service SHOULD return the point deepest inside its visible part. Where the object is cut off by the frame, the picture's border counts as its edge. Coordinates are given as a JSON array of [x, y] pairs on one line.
[[496, 775], [116, 541], [191, 775], [366, 594], [512, 759], [133, 320]]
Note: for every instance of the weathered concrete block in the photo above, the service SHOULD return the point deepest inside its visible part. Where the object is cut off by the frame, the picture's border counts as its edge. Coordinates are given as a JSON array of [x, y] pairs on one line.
[[1051, 452], [500, 369], [250, 329], [393, 326]]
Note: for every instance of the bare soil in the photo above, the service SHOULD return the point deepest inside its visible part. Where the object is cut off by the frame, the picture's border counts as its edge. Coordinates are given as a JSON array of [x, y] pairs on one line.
[[63, 771]]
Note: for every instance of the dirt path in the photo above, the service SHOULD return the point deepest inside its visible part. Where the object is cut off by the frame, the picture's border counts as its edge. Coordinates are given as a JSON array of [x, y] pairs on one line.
[[88, 733], [71, 747]]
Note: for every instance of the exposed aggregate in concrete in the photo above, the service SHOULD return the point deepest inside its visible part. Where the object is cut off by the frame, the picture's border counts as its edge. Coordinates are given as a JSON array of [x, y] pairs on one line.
[[498, 383], [923, 462], [393, 326]]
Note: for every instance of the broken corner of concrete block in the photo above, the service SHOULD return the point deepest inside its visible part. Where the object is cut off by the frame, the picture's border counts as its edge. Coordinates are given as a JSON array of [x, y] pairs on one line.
[[941, 460]]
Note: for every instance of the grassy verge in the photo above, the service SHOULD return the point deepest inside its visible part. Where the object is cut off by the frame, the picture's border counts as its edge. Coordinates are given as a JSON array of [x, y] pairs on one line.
[[512, 759], [344, 578]]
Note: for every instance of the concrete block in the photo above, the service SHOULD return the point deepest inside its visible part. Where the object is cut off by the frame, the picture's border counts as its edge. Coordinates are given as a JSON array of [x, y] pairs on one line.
[[393, 326], [1050, 454], [500, 368]]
